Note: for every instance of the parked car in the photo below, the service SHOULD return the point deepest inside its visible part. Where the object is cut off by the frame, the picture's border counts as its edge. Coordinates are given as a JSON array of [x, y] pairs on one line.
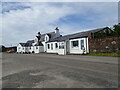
[[9, 51], [12, 51]]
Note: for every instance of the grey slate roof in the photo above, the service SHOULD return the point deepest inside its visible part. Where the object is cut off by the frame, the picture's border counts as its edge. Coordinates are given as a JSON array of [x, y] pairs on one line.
[[77, 35], [22, 44], [39, 44], [29, 43], [51, 34]]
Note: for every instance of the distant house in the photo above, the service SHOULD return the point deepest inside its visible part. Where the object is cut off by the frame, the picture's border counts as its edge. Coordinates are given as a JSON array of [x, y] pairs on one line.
[[21, 48], [2, 48], [53, 42]]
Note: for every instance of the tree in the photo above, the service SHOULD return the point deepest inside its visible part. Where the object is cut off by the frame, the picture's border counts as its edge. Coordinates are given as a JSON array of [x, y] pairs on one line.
[[117, 30]]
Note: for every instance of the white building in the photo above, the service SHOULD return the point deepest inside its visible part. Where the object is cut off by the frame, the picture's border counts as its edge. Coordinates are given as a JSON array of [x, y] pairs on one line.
[[21, 48], [39, 44], [53, 42], [77, 43], [67, 45]]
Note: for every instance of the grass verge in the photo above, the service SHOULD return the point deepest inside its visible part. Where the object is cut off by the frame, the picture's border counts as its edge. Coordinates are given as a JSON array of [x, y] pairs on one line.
[[104, 54]]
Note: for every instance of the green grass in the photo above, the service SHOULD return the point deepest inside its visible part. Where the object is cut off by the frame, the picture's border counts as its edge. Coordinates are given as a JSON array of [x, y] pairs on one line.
[[104, 54]]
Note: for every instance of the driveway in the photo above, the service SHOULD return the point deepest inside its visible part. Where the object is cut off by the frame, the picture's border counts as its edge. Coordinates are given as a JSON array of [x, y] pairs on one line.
[[55, 71]]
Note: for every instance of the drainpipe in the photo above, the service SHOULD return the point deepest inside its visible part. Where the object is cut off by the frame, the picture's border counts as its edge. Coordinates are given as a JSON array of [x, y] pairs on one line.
[[66, 46]]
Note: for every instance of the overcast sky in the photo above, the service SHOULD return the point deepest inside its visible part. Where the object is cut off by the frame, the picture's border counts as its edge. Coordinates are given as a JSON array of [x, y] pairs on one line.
[[21, 21]]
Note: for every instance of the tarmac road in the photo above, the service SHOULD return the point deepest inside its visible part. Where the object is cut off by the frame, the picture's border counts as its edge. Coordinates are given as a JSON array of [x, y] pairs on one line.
[[54, 71]]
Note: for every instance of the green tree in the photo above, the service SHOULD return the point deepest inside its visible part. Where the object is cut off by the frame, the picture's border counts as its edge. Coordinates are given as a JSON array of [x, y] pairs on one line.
[[116, 30]]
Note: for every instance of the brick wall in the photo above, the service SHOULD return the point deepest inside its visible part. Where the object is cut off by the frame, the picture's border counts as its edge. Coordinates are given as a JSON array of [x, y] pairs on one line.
[[110, 44]]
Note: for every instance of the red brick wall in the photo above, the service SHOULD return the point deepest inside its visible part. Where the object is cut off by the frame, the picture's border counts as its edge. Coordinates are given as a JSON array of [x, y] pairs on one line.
[[110, 44]]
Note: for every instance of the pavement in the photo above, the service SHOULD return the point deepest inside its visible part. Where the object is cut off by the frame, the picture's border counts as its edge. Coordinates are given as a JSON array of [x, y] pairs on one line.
[[58, 71]]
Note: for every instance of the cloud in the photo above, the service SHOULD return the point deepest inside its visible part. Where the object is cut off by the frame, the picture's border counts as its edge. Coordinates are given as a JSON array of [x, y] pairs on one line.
[[24, 20]]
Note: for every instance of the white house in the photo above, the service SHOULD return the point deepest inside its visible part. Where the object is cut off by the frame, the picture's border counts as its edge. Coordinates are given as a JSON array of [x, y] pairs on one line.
[[21, 48], [78, 46], [53, 42], [77, 43], [48, 37], [39, 44]]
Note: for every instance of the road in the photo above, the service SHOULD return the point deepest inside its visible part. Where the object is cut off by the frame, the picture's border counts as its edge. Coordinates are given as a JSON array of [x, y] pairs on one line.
[[55, 71]]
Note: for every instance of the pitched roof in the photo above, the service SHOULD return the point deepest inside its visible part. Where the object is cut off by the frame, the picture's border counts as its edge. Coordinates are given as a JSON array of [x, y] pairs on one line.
[[77, 35], [22, 44], [39, 44], [29, 43], [51, 34]]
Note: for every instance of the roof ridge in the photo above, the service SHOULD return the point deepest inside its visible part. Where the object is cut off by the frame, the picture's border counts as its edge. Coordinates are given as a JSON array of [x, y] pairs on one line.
[[84, 31], [47, 33]]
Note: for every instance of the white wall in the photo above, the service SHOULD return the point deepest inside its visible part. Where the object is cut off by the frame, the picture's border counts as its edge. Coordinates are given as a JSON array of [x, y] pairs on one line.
[[87, 45], [33, 48], [38, 49], [44, 45], [50, 50], [19, 48], [46, 38], [27, 49], [24, 49], [78, 50], [61, 51], [72, 50], [30, 49]]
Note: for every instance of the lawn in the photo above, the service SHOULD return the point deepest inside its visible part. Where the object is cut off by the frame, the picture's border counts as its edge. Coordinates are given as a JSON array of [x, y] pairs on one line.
[[104, 54]]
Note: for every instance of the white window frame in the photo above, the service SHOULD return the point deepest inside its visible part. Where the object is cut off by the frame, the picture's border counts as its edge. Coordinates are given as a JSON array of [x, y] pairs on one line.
[[82, 46], [48, 46], [74, 46], [51, 46], [56, 46]]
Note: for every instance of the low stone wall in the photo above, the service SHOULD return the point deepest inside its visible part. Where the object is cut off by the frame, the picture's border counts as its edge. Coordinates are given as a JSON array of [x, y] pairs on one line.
[[107, 45]]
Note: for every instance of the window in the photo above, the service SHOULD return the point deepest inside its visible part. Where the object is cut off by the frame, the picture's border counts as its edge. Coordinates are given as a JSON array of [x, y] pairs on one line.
[[51, 46], [56, 45], [61, 45], [75, 43], [82, 44], [48, 46], [23, 48], [30, 47]]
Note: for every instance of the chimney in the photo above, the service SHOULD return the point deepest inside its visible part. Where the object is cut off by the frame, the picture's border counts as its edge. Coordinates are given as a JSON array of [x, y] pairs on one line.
[[38, 36], [39, 33], [56, 30]]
